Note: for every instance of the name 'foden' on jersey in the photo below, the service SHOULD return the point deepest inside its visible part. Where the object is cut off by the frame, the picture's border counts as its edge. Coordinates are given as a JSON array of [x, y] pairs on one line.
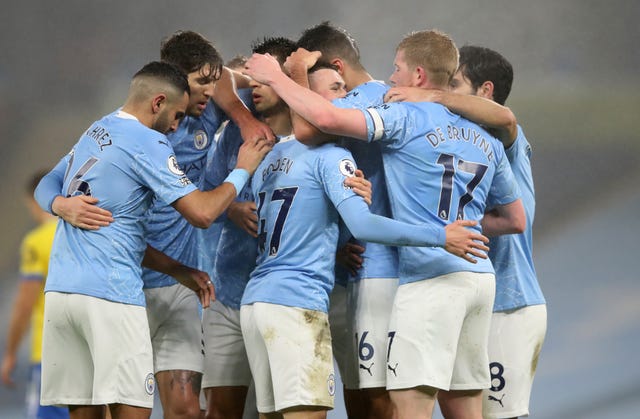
[[453, 133], [283, 164]]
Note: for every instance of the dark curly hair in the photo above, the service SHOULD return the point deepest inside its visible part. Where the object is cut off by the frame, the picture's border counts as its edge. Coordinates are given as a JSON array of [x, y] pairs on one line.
[[191, 52]]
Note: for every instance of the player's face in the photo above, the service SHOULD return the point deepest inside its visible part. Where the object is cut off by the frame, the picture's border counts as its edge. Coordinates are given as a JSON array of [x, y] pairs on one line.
[[171, 114], [265, 99], [402, 75], [201, 83], [462, 85], [327, 83]]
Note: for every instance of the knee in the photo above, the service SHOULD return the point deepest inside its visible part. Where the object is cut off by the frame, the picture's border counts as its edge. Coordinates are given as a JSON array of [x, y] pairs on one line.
[[184, 411], [218, 413]]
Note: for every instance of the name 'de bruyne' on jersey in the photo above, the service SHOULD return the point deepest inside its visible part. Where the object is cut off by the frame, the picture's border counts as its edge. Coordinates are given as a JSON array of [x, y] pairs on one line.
[[469, 135]]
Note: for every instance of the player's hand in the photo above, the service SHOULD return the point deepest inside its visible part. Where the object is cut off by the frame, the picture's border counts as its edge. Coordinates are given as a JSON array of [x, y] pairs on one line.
[[251, 154], [262, 68], [301, 57], [244, 215], [251, 130], [197, 281], [349, 257], [8, 365], [412, 94], [464, 242], [82, 211], [360, 185]]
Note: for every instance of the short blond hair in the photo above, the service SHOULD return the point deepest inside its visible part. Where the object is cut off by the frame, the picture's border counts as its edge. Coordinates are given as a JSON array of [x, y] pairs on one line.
[[434, 51]]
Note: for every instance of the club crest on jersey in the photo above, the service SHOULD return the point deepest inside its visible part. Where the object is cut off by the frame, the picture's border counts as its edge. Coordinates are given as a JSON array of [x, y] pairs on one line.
[[331, 385], [200, 139], [150, 384], [172, 164], [347, 167]]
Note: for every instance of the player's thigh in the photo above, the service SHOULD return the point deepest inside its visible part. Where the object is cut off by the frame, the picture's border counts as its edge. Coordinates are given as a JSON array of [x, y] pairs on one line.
[[176, 328], [369, 316], [515, 341], [67, 363], [298, 346], [424, 330], [118, 335], [226, 362], [340, 337], [258, 359], [472, 354]]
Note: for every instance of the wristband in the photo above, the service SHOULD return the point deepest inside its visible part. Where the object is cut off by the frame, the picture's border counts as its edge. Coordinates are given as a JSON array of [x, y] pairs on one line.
[[238, 178]]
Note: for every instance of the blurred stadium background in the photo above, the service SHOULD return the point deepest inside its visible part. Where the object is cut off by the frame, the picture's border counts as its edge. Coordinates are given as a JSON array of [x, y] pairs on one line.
[[576, 93]]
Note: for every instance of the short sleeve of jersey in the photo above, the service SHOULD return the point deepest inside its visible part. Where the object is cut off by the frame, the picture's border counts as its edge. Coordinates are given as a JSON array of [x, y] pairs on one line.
[[389, 123], [504, 188], [334, 167], [158, 167], [363, 96]]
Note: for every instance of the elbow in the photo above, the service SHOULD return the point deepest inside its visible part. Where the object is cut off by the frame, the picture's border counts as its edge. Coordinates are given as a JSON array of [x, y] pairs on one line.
[[519, 225], [519, 221], [510, 123], [200, 220]]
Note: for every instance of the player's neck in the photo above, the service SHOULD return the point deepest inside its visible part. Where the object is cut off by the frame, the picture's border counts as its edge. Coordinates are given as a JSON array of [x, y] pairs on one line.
[[144, 118], [280, 122], [354, 78]]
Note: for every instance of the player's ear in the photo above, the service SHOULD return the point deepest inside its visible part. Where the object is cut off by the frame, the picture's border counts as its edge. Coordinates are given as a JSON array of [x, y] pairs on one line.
[[339, 65], [420, 77], [158, 101], [486, 90]]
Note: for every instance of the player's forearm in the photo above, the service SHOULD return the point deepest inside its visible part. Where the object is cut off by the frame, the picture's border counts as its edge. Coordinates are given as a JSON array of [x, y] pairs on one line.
[[484, 112], [374, 228], [303, 130], [28, 292], [505, 219], [201, 209], [50, 187], [160, 262], [318, 111], [226, 97]]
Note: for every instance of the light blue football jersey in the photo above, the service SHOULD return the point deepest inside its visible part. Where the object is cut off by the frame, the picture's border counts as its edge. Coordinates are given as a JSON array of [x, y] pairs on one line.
[[234, 257], [512, 255], [297, 189], [166, 229], [123, 164], [439, 167], [379, 261]]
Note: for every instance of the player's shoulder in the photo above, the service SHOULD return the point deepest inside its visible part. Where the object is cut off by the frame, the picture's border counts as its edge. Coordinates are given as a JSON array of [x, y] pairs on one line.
[[364, 95], [230, 135], [372, 87], [332, 154], [521, 140]]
